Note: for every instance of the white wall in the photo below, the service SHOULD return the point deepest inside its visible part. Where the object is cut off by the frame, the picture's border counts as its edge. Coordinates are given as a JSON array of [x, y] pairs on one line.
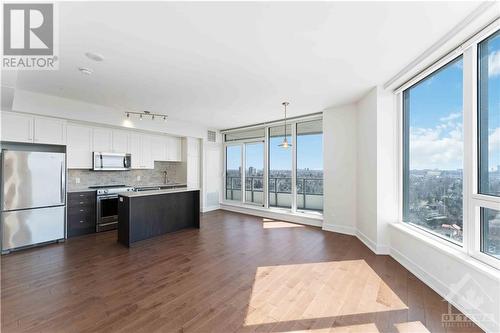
[[387, 166], [30, 102], [212, 174], [339, 158], [366, 174]]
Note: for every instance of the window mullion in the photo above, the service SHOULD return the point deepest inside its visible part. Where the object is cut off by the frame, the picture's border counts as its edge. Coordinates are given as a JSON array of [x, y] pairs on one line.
[[294, 167]]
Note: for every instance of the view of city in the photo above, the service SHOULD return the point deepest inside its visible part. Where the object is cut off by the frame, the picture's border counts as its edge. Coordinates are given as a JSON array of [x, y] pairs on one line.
[[435, 201], [309, 184]]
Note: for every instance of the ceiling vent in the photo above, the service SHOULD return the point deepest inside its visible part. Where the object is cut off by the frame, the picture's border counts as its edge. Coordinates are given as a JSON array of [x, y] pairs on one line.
[[211, 136]]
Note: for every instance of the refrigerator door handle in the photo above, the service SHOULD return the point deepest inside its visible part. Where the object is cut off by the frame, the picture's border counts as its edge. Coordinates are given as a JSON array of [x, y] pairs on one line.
[[63, 181]]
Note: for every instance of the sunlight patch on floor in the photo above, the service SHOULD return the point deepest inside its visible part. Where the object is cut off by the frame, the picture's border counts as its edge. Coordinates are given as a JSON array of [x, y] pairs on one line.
[[274, 224], [302, 292], [411, 327]]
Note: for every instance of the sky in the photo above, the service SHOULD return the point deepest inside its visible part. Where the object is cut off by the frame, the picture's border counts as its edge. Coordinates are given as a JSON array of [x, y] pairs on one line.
[[309, 154], [436, 116]]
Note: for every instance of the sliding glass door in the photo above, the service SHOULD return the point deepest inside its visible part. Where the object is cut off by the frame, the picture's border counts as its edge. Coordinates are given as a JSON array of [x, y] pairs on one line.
[[310, 165], [254, 172], [261, 171], [280, 168], [233, 172]]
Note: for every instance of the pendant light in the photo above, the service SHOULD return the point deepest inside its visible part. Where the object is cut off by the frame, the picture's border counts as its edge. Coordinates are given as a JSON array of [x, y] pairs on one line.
[[285, 143]]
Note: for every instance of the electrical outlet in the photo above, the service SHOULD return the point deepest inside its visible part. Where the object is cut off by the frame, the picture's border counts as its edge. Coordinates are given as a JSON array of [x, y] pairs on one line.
[[77, 180], [138, 178]]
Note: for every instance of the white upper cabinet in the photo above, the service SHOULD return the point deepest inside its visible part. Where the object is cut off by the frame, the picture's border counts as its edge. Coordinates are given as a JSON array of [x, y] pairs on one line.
[[79, 151], [134, 145], [147, 157], [102, 139], [50, 131], [120, 142], [140, 149], [17, 127], [174, 149], [159, 148]]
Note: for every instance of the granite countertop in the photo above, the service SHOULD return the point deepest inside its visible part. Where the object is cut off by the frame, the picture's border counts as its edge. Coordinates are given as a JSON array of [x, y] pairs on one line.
[[157, 192], [86, 189]]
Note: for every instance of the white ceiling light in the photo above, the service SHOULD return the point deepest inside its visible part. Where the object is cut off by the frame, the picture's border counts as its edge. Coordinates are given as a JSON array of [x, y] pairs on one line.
[[85, 70], [285, 143], [94, 56], [146, 114]]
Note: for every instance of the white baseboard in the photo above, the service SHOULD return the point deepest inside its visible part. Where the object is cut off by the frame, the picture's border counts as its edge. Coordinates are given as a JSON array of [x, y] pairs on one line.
[[209, 209], [341, 229], [439, 287], [376, 248]]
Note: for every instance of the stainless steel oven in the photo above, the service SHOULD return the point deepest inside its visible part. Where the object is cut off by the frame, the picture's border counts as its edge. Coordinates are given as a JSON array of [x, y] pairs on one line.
[[107, 206]]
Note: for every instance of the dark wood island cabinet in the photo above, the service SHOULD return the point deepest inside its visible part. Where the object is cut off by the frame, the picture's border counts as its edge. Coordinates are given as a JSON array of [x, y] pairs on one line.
[[142, 215]]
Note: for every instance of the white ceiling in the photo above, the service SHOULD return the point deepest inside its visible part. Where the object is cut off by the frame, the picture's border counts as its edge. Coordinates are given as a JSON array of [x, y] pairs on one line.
[[230, 64]]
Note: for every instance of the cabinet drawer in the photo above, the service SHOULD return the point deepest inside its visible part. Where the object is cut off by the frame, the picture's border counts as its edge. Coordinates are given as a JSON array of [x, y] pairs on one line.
[[81, 198], [81, 213], [81, 195], [81, 224]]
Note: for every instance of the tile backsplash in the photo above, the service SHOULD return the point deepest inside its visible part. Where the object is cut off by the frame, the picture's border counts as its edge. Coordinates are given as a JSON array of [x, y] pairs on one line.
[[176, 173]]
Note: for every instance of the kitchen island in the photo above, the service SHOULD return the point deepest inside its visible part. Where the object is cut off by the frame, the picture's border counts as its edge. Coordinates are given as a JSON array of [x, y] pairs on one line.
[[142, 215]]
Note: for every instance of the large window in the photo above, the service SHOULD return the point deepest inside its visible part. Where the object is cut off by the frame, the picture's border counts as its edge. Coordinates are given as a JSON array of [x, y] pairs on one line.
[[289, 178], [233, 172], [280, 168], [310, 165], [433, 152], [489, 115]]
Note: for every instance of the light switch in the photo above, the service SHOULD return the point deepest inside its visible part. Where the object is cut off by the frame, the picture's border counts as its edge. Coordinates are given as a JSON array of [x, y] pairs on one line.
[[77, 180]]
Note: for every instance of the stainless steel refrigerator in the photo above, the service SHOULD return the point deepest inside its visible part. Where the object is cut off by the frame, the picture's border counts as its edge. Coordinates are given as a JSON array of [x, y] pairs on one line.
[[33, 202]]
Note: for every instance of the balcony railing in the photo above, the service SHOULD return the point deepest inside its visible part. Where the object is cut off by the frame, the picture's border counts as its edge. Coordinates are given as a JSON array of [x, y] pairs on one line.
[[309, 191]]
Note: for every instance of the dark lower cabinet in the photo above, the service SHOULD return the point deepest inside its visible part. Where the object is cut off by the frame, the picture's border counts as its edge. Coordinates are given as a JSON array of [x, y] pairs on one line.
[[81, 213]]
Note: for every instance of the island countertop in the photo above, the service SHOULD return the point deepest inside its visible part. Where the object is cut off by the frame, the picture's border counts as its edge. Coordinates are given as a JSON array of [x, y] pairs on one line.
[[157, 192]]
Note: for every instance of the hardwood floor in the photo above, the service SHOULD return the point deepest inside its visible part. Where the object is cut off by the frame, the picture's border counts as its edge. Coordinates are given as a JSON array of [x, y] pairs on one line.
[[237, 273]]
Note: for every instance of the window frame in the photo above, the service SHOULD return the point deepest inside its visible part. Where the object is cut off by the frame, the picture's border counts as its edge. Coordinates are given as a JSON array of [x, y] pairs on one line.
[[293, 210], [473, 201], [405, 155]]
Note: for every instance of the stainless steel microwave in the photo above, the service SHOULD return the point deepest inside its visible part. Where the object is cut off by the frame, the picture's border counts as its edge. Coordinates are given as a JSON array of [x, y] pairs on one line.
[[111, 161]]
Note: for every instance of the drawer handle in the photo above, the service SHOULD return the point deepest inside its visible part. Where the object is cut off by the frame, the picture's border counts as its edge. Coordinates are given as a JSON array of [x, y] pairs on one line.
[[81, 210], [81, 202], [81, 221], [82, 195]]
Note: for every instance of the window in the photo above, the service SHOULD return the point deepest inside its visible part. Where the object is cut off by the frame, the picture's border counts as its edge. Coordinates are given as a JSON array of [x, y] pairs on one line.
[[254, 172], [310, 165], [260, 172], [233, 172], [433, 152], [489, 115], [280, 168], [245, 135], [490, 232]]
